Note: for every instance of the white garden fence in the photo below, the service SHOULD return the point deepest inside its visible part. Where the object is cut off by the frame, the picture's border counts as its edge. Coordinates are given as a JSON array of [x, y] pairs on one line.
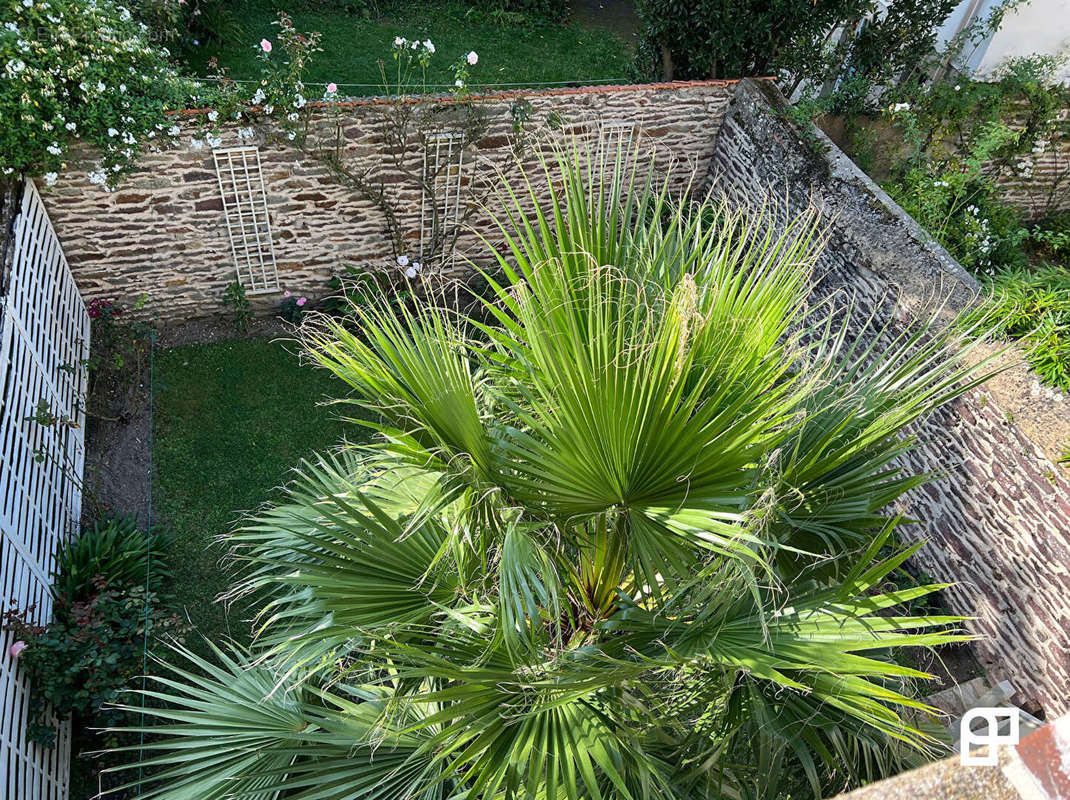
[[44, 342]]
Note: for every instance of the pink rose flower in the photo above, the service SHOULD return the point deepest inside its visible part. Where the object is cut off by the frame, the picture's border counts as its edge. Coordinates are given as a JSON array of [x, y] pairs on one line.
[[16, 648], [472, 58], [265, 45], [286, 293], [332, 87], [302, 300]]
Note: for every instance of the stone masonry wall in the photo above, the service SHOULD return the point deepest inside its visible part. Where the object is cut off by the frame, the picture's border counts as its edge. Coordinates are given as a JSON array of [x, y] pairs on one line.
[[162, 230], [998, 522], [1038, 183]]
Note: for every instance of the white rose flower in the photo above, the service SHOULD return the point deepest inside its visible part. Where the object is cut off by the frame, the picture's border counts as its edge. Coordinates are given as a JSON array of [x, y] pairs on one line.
[[472, 58]]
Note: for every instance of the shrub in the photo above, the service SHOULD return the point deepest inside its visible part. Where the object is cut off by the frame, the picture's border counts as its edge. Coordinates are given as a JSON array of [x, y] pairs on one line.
[[1034, 305], [964, 214], [103, 619], [1051, 238], [114, 550], [178, 22], [81, 71], [716, 39], [80, 661]]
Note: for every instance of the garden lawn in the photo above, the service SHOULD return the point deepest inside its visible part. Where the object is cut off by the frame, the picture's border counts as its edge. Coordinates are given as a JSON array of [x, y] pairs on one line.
[[229, 421], [527, 53]]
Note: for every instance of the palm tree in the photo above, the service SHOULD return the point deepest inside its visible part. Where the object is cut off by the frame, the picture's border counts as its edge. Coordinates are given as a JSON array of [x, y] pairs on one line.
[[623, 534]]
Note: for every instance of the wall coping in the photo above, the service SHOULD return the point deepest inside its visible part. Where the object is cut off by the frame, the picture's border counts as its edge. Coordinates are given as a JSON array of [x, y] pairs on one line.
[[511, 94]]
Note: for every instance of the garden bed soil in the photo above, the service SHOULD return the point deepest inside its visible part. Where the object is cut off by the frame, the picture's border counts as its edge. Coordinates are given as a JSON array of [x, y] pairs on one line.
[[118, 460]]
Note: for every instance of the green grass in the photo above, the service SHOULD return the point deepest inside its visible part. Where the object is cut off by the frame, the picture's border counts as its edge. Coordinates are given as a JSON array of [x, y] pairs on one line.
[[1032, 305], [230, 419], [527, 53]]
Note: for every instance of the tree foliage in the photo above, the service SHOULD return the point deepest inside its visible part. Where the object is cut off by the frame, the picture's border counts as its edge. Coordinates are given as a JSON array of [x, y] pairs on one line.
[[624, 539], [794, 40]]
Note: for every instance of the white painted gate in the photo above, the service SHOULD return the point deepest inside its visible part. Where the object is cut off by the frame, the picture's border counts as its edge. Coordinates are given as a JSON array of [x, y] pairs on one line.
[[44, 341]]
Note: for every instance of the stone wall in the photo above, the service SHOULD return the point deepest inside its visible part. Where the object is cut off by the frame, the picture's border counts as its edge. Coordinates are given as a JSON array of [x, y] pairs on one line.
[[162, 230], [1038, 183], [998, 522]]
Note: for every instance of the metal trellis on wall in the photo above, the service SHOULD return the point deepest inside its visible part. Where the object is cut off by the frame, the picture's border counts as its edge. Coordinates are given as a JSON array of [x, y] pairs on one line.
[[44, 343]]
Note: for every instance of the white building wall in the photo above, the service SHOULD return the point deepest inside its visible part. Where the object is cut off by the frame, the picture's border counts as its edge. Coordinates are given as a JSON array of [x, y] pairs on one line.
[[1034, 27]]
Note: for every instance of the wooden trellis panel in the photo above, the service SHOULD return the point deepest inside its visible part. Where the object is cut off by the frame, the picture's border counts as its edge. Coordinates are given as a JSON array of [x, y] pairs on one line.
[[440, 207], [241, 184], [44, 342], [616, 138]]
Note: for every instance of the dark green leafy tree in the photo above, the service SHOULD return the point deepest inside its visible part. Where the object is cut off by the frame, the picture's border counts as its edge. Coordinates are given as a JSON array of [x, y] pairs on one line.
[[794, 40], [624, 539]]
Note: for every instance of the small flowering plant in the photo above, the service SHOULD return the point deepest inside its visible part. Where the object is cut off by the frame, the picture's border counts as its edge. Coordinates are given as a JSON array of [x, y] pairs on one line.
[[409, 268], [462, 72], [81, 71], [293, 307]]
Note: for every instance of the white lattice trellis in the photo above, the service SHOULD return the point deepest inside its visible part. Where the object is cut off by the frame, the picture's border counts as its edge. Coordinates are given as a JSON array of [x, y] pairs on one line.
[[241, 185], [616, 138], [440, 200], [44, 341]]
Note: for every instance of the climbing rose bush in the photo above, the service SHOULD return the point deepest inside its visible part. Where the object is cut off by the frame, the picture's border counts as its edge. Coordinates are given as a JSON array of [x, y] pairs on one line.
[[81, 70]]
